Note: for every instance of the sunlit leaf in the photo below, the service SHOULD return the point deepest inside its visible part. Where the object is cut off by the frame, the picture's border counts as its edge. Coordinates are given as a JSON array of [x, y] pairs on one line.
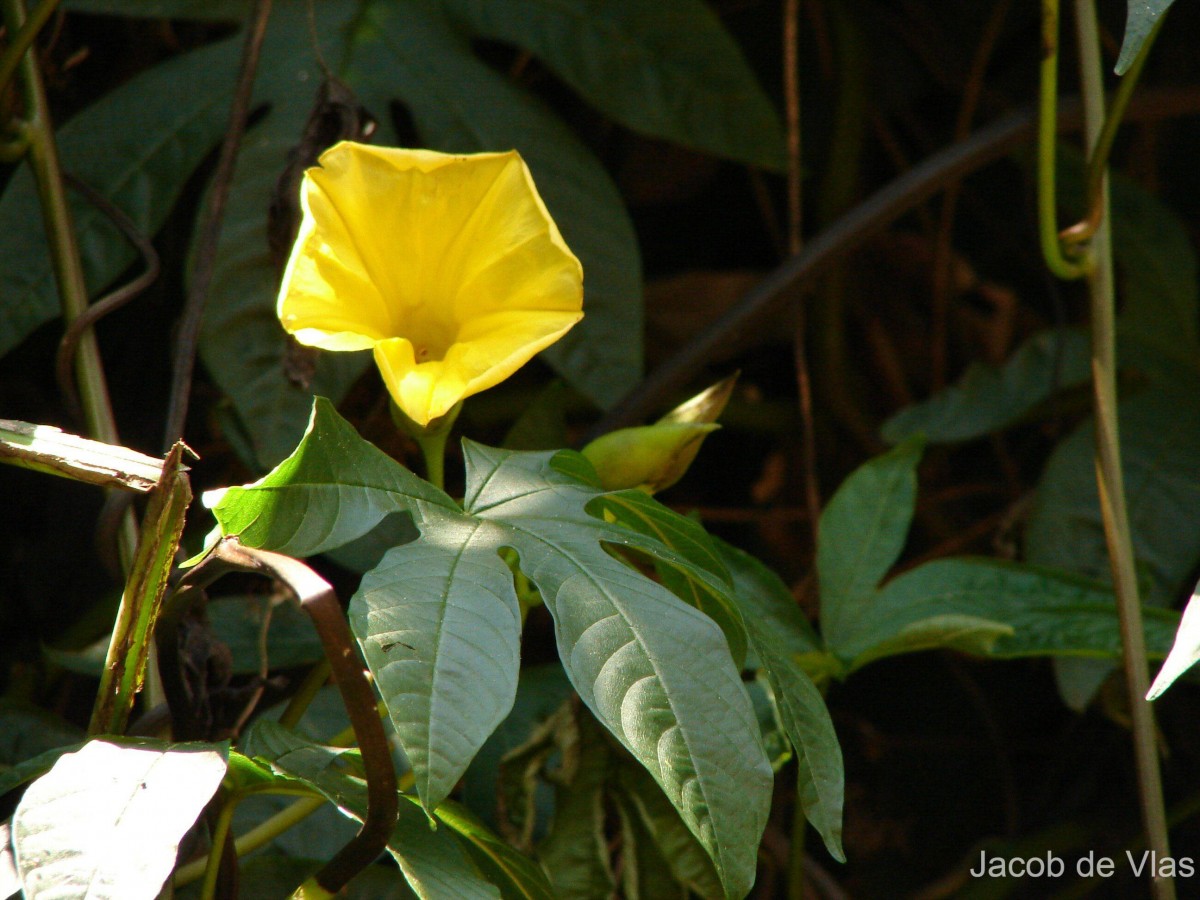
[[106, 820], [1184, 651], [628, 644]]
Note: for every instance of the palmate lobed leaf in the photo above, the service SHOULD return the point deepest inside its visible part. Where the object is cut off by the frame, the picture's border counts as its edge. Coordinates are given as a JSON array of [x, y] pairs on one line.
[[655, 671]]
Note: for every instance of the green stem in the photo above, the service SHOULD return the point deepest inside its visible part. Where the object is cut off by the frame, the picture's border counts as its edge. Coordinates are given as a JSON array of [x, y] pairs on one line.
[[795, 879], [313, 682], [1046, 139], [1108, 468], [1099, 154], [60, 231], [431, 439], [433, 450], [23, 40], [38, 134], [220, 832]]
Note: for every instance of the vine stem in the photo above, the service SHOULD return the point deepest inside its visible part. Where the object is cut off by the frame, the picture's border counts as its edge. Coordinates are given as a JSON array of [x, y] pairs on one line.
[[220, 833], [1108, 465], [37, 134], [1047, 137], [795, 243], [1097, 164], [64, 250], [210, 228], [23, 40]]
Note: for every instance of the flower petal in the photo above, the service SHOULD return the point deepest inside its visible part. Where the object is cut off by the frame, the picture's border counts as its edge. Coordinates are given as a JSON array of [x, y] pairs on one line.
[[450, 267]]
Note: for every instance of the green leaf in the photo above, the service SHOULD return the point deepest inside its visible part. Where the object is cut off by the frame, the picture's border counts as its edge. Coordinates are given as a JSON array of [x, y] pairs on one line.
[[1160, 450], [1048, 612], [431, 860], [782, 638], [518, 876], [640, 512], [627, 643], [863, 530], [953, 631], [412, 52], [136, 814], [137, 146], [334, 488], [668, 68], [1140, 20], [440, 626], [991, 398]]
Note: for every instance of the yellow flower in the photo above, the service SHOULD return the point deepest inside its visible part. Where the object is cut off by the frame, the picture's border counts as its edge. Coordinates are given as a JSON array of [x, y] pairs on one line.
[[448, 267]]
